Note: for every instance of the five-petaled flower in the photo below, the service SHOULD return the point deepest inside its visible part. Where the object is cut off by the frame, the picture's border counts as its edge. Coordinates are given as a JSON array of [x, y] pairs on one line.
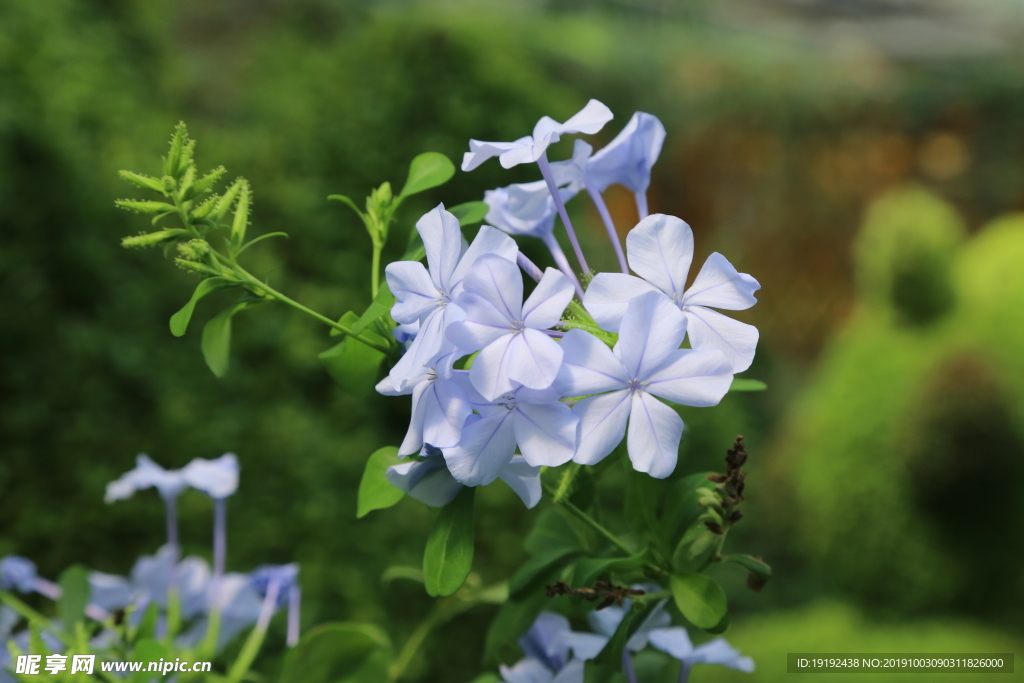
[[646, 362], [660, 250], [426, 295]]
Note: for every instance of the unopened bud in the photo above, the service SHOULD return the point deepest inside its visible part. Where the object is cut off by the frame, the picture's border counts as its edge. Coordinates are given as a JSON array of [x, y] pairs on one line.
[[194, 250], [144, 206], [143, 181], [151, 239], [185, 264]]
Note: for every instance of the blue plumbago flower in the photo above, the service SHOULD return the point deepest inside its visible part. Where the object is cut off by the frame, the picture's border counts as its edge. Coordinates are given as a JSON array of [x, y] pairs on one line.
[[531, 148], [660, 251], [147, 474], [514, 348], [646, 362], [425, 295], [216, 478], [554, 652], [627, 160], [543, 427], [18, 574], [150, 583], [429, 481], [439, 410], [279, 585], [657, 631], [528, 209], [238, 603]]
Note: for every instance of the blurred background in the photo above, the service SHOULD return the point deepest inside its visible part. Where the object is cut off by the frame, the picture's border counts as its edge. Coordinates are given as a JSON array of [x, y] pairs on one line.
[[863, 159]]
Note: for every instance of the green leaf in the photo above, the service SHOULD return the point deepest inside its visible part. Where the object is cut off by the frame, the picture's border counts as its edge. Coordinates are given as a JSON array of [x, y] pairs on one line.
[[333, 651], [470, 213], [517, 615], [744, 384], [145, 207], [699, 598], [536, 565], [681, 509], [590, 569], [241, 221], [147, 626], [414, 250], [348, 319], [721, 627], [641, 498], [180, 320], [427, 170], [449, 553], [143, 181], [553, 530], [147, 650], [74, 596], [381, 304], [695, 547], [375, 491], [611, 655], [216, 341], [603, 673], [487, 678], [395, 572], [754, 565], [353, 365]]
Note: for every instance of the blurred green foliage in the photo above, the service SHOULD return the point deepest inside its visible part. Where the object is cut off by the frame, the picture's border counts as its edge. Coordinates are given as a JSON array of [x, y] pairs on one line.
[[771, 152], [905, 449]]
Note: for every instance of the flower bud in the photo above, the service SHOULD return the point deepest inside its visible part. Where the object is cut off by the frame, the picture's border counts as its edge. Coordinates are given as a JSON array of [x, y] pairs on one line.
[[151, 239]]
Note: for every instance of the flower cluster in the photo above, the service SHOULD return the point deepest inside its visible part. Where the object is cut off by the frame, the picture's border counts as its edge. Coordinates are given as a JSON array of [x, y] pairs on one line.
[[207, 607], [556, 654], [566, 373]]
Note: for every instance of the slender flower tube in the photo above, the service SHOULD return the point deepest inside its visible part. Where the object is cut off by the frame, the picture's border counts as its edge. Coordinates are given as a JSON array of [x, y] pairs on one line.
[[545, 170], [529, 267], [528, 209]]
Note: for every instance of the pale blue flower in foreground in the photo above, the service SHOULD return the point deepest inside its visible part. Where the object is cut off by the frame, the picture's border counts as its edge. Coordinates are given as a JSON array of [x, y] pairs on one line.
[[531, 148], [429, 481], [510, 334], [439, 410], [543, 427], [660, 250], [425, 295], [646, 362], [554, 652]]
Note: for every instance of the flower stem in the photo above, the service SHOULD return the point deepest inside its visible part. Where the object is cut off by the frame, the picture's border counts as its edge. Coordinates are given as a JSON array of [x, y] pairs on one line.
[[563, 263], [545, 170], [609, 225], [274, 294], [591, 522], [641, 205], [255, 639], [375, 270], [529, 267]]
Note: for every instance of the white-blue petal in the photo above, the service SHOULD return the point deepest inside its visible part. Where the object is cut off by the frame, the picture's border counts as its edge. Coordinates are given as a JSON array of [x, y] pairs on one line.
[[660, 250], [692, 378], [485, 449], [524, 479], [602, 425], [546, 433], [720, 285], [710, 330], [654, 433], [608, 294], [652, 330]]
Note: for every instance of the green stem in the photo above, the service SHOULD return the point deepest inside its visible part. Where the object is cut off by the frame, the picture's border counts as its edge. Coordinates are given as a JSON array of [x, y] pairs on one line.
[[442, 613], [274, 294], [375, 270], [591, 522]]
